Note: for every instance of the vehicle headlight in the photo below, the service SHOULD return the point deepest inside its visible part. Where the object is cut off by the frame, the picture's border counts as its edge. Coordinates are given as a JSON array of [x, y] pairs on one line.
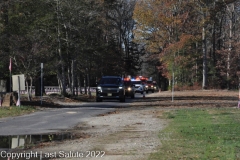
[[99, 89], [120, 87], [151, 86], [129, 88], [155, 87], [146, 86]]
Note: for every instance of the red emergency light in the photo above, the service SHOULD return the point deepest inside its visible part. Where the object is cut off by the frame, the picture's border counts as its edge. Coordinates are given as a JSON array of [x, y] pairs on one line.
[[127, 79]]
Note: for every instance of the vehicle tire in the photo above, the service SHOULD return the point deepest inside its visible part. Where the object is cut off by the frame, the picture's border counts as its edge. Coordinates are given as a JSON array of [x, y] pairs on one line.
[[98, 100], [141, 92], [122, 99], [152, 91], [147, 92], [133, 96]]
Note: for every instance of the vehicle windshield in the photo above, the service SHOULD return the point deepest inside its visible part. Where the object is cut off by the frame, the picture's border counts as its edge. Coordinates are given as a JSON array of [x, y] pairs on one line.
[[149, 82], [116, 81], [127, 83], [136, 82]]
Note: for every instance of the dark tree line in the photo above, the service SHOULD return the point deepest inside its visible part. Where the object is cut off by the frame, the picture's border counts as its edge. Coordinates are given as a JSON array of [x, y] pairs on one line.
[[78, 41]]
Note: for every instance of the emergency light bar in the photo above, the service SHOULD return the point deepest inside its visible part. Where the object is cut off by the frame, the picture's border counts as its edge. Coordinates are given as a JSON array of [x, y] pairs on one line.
[[127, 79]]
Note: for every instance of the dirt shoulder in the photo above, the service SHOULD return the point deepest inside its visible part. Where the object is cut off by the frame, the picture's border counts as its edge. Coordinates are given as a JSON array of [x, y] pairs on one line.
[[132, 133], [126, 134], [190, 99]]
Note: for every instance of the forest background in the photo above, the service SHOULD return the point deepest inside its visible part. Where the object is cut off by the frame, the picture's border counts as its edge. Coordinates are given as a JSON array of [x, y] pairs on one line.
[[180, 43]]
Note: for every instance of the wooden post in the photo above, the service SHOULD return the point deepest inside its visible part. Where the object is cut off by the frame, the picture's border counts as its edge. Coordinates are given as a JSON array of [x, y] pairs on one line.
[[19, 91]]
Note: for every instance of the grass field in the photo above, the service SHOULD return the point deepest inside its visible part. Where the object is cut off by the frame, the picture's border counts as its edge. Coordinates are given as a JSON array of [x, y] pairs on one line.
[[15, 111], [201, 134]]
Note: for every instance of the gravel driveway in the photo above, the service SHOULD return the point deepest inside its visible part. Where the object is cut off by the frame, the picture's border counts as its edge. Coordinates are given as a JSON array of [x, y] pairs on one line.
[[132, 133], [126, 134]]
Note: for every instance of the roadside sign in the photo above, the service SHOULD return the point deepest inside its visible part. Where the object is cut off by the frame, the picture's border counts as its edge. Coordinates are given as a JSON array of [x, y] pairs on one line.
[[15, 83]]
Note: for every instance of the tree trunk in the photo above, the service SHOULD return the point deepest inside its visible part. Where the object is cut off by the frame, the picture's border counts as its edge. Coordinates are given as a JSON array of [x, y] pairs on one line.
[[204, 49], [196, 69], [88, 83], [85, 85], [59, 80], [79, 84], [214, 45], [62, 64], [230, 43], [28, 93], [70, 79], [76, 85], [73, 78]]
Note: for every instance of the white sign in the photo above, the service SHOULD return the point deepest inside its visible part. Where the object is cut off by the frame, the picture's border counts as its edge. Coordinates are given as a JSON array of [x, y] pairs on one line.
[[15, 82]]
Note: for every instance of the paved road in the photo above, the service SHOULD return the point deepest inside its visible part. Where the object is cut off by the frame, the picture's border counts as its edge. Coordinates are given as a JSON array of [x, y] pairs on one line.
[[54, 120], [47, 121]]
